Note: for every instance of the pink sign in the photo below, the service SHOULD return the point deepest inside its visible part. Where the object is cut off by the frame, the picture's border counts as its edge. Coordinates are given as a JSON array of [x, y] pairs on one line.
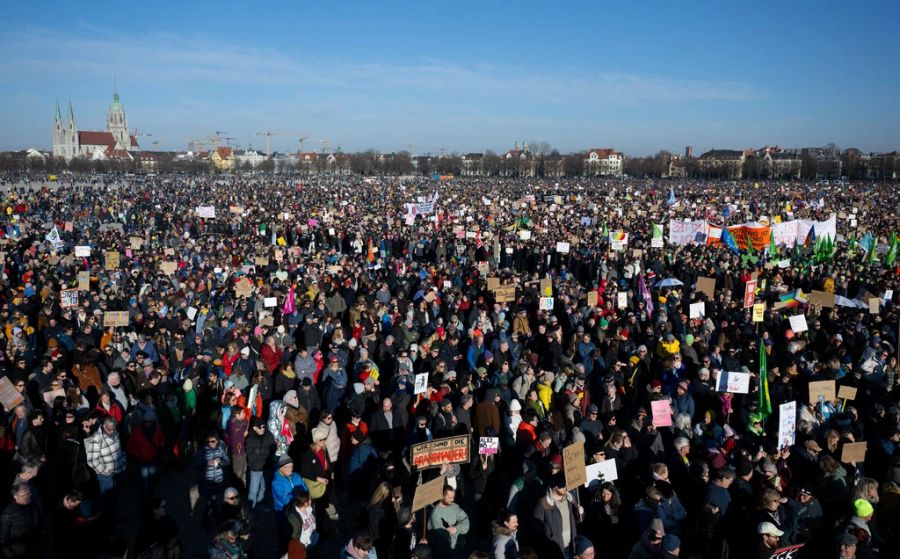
[[662, 413]]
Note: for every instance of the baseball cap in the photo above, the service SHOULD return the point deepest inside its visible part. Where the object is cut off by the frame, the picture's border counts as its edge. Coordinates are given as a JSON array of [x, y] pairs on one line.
[[768, 529]]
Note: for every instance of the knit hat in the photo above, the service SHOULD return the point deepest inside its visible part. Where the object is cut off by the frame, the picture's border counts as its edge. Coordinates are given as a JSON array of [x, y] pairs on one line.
[[284, 459], [290, 398], [515, 405], [582, 544], [319, 434], [862, 508]]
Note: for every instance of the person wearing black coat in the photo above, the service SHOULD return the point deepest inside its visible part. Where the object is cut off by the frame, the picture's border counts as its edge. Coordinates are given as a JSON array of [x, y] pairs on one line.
[[73, 471], [23, 529], [259, 446], [34, 445]]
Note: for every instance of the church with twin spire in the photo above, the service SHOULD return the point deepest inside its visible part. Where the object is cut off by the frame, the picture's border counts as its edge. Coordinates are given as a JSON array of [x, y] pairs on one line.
[[114, 143]]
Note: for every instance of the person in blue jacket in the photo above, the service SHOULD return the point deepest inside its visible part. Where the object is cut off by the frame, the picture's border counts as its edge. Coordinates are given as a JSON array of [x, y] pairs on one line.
[[286, 483]]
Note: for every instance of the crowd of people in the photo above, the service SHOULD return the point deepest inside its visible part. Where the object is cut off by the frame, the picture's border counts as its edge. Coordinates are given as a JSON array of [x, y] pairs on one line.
[[282, 344]]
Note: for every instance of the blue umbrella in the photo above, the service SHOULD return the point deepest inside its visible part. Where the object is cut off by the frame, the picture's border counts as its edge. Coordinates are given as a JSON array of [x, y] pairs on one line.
[[668, 282]]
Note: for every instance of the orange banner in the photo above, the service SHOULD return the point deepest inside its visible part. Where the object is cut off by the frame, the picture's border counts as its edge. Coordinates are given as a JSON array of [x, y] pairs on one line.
[[757, 236]]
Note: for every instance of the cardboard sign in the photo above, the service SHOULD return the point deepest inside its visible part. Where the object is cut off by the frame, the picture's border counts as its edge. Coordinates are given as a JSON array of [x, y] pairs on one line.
[[622, 300], [601, 472], [573, 466], [9, 396], [707, 286], [798, 323], [874, 305], [83, 251], [428, 493], [243, 288], [111, 260], [488, 445], [698, 310], [431, 454], [206, 212], [821, 299], [824, 388], [847, 392], [84, 281], [546, 304], [168, 268], [493, 283], [421, 383], [787, 424], [505, 294], [592, 298], [68, 298], [115, 318], [662, 413], [749, 293], [759, 310], [270, 302], [546, 288], [562, 247], [261, 261], [136, 242], [854, 452]]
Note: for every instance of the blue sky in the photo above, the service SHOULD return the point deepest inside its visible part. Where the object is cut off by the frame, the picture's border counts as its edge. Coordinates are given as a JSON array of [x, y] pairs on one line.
[[463, 76]]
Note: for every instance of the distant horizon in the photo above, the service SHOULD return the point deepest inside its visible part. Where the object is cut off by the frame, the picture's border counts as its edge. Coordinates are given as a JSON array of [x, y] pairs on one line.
[[463, 78]]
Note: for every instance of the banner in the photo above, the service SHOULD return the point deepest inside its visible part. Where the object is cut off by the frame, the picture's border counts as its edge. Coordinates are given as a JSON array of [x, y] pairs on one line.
[[430, 454], [685, 232], [750, 235]]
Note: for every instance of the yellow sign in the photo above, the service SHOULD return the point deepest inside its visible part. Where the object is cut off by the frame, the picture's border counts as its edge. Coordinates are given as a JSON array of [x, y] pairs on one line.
[[758, 310]]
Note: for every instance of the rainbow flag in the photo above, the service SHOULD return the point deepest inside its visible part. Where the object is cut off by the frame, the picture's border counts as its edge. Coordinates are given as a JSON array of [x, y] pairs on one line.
[[793, 299]]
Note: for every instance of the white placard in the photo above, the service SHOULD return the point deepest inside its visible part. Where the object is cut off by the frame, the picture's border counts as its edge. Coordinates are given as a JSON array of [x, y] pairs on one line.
[[656, 243], [562, 247], [622, 300], [888, 295], [82, 250], [421, 384], [488, 445], [68, 298], [524, 235], [733, 382], [601, 472], [698, 310], [546, 303], [786, 263], [798, 323], [270, 302], [617, 246], [787, 424], [191, 313], [207, 212]]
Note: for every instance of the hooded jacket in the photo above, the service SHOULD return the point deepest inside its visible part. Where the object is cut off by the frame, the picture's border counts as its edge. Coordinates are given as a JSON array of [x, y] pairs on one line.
[[505, 545]]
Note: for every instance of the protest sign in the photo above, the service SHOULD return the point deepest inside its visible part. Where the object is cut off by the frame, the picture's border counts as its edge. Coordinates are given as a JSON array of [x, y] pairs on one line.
[[83, 251], [68, 298], [847, 392], [421, 383], [759, 310], [562, 247], [874, 305], [622, 300], [270, 302], [546, 287], [206, 212], [823, 388], [546, 303], [449, 450], [488, 445], [505, 294], [9, 396], [821, 299], [662, 413], [573, 466], [111, 260], [601, 472], [734, 382], [84, 281], [428, 493], [261, 261], [787, 424], [749, 293], [698, 310], [854, 452], [493, 283], [243, 288], [789, 552], [707, 286], [168, 268], [592, 298], [115, 318], [136, 242], [191, 313], [798, 323]]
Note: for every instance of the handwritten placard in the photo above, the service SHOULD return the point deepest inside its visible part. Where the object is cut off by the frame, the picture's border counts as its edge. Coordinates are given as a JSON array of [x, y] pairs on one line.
[[428, 493], [573, 466], [68, 298], [488, 445], [847, 392], [821, 388], [662, 413], [115, 318], [854, 452]]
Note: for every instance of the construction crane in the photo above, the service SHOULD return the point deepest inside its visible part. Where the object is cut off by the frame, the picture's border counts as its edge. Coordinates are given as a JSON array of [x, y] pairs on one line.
[[302, 139], [325, 143], [268, 135], [219, 136], [194, 144]]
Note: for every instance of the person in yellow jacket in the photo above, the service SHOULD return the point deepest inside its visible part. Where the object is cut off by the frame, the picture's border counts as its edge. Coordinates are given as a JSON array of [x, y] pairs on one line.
[[668, 347], [545, 389]]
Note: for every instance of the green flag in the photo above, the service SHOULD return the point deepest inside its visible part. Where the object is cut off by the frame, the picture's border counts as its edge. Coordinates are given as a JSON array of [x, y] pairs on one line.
[[657, 231], [765, 403], [773, 249], [605, 233], [870, 257], [892, 251], [851, 244]]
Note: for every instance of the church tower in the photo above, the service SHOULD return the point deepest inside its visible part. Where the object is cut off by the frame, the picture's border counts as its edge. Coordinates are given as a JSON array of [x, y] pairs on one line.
[[72, 148], [59, 135], [116, 124]]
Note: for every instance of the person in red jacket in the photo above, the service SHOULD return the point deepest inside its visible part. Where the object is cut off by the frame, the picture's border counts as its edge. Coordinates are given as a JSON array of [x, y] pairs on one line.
[[271, 355], [109, 406], [144, 447]]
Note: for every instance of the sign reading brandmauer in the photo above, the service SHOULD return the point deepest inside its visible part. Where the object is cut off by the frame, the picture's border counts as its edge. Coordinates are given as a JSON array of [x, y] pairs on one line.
[[115, 318], [573, 465], [430, 454], [428, 493]]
